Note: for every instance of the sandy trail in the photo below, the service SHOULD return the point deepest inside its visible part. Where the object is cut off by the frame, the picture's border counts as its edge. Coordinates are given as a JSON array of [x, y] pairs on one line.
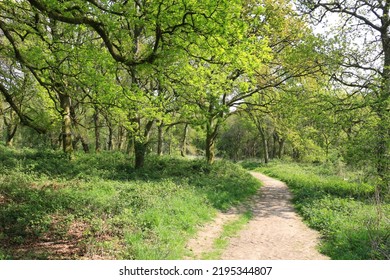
[[275, 232]]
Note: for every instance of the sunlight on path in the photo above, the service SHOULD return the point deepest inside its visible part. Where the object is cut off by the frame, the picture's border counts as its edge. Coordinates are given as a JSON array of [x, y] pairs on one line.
[[276, 231]]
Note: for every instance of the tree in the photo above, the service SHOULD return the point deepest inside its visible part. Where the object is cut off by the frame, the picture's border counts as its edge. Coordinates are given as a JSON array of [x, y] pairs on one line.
[[259, 56], [138, 34], [138, 64], [35, 42], [67, 60], [364, 65], [14, 86], [25, 101]]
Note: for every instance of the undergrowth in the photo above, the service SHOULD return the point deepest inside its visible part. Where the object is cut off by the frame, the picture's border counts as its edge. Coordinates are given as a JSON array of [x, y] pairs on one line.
[[352, 225], [98, 207]]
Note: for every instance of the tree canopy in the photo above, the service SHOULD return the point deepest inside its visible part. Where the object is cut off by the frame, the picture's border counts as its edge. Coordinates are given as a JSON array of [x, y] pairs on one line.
[[180, 76]]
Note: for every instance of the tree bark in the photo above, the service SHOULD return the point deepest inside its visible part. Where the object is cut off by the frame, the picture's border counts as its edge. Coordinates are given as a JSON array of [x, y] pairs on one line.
[[160, 139], [281, 148], [258, 120], [11, 131], [382, 110], [211, 135], [183, 150], [96, 121], [120, 137], [79, 131], [10, 127], [110, 140], [274, 144], [65, 102], [130, 143], [140, 152], [210, 156], [169, 141], [110, 144], [140, 145], [264, 141], [85, 144]]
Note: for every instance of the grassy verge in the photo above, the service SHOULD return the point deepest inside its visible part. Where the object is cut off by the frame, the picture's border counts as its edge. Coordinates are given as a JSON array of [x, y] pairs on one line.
[[98, 207], [344, 212], [229, 230]]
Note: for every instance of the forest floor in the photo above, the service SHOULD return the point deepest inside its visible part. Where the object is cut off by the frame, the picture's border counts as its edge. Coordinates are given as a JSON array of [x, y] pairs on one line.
[[275, 232]]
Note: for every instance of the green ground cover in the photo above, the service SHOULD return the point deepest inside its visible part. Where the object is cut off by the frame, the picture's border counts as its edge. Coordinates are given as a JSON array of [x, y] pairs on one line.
[[97, 206]]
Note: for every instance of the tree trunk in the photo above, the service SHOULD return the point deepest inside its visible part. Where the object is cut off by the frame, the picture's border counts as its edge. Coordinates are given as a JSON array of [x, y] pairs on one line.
[[140, 145], [264, 141], [183, 150], [160, 139], [85, 144], [130, 143], [65, 103], [75, 142], [11, 131], [211, 135], [96, 121], [274, 145], [383, 127], [79, 131], [10, 128], [140, 152], [382, 156], [265, 150], [281, 148], [169, 141], [110, 137], [121, 132], [210, 157], [258, 120]]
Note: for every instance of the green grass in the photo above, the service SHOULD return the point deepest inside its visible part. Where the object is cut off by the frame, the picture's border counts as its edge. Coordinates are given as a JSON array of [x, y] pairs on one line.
[[343, 211], [106, 209], [229, 230]]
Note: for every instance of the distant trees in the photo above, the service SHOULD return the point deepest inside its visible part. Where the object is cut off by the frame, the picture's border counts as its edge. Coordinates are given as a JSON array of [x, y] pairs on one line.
[[363, 38]]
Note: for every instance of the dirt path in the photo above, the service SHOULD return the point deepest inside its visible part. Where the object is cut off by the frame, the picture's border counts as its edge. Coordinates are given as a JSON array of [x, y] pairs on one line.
[[275, 232]]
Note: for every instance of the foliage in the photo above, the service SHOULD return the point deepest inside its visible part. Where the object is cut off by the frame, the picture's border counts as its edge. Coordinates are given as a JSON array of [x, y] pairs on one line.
[[362, 69], [238, 139], [109, 208]]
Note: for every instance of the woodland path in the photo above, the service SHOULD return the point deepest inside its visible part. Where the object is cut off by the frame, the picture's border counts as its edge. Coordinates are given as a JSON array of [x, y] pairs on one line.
[[275, 232]]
